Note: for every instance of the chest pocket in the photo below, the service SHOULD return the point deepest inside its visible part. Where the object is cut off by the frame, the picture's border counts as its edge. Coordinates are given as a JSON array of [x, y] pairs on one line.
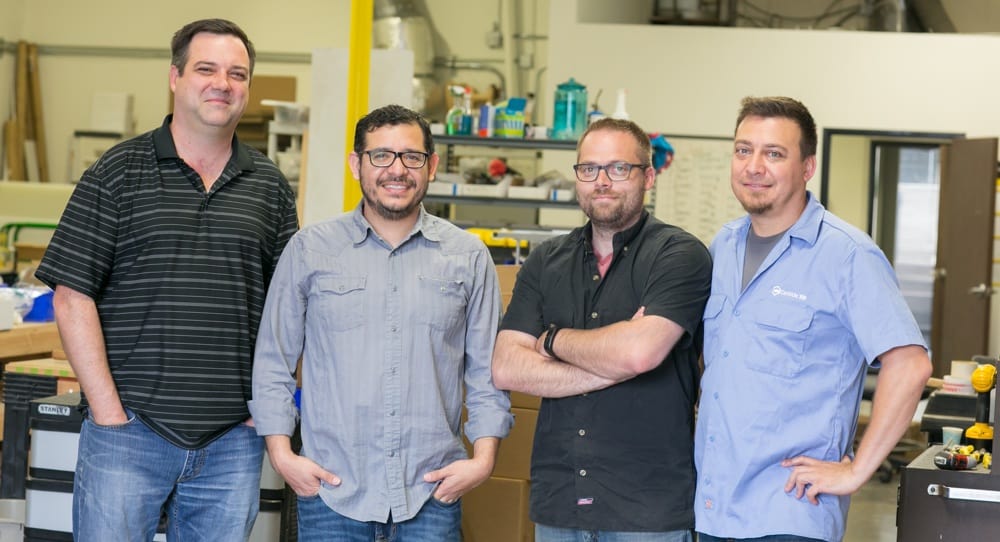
[[440, 302], [341, 301], [780, 341]]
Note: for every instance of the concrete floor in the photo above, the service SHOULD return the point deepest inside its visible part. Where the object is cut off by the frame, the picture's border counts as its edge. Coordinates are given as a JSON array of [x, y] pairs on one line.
[[872, 517]]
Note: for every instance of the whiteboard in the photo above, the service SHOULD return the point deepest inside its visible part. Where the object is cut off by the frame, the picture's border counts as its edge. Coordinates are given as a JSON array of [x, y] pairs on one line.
[[694, 192]]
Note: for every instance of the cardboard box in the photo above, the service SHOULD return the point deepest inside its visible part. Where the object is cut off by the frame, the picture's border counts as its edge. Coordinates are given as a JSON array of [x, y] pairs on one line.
[[507, 275], [262, 87], [523, 400], [497, 511], [514, 458]]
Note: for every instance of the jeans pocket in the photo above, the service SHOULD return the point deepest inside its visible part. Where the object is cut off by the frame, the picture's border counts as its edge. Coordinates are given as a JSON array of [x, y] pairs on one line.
[[129, 419], [443, 504]]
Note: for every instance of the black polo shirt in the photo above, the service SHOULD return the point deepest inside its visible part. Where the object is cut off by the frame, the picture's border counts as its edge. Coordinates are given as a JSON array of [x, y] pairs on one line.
[[179, 276], [618, 459]]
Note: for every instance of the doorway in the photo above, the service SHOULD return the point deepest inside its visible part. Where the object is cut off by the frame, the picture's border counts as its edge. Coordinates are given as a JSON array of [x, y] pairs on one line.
[[888, 184]]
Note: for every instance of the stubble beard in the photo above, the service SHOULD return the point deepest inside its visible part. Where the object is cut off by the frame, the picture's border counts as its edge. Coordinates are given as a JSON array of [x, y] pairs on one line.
[[612, 219], [389, 213]]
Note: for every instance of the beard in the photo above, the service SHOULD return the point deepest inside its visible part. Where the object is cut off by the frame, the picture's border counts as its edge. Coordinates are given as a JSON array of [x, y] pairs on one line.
[[753, 203], [370, 194], [613, 218]]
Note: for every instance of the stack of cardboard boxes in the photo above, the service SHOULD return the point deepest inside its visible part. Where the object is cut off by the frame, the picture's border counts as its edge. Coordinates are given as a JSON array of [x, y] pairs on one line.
[[497, 511]]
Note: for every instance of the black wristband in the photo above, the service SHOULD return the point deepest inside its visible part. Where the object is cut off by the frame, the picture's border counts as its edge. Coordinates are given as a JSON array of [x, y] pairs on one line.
[[550, 340]]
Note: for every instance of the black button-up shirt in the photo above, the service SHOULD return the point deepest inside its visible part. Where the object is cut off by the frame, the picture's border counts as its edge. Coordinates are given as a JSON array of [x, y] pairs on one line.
[[618, 459]]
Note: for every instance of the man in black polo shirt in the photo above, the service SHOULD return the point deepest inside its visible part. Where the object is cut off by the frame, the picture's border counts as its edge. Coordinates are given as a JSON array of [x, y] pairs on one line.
[[605, 325], [160, 266]]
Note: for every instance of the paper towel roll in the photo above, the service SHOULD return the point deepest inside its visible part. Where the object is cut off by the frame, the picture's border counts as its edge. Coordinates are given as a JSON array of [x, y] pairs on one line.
[[963, 369]]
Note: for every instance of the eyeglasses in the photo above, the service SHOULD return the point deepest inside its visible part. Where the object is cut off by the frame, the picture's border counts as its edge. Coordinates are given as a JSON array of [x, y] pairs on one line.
[[384, 158], [616, 171]]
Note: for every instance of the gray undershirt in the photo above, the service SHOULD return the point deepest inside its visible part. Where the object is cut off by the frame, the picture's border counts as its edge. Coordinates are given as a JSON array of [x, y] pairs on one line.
[[757, 250]]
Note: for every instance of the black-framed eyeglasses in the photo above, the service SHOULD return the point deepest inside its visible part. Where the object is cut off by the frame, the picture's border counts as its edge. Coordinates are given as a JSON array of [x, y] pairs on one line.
[[616, 171], [385, 158]]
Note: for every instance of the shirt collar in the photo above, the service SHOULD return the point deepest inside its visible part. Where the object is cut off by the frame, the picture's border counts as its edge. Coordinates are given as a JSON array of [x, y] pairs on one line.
[[425, 226], [621, 238], [805, 228], [163, 144]]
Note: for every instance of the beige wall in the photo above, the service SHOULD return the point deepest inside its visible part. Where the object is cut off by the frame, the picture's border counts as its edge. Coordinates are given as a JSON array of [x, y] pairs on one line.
[[689, 80], [295, 26], [848, 197], [69, 82], [10, 31]]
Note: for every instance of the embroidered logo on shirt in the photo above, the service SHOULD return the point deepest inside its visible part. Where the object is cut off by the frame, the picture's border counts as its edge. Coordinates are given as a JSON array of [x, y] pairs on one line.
[[777, 290], [585, 501]]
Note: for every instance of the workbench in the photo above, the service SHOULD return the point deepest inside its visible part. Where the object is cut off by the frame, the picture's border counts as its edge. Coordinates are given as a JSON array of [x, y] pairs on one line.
[[29, 341]]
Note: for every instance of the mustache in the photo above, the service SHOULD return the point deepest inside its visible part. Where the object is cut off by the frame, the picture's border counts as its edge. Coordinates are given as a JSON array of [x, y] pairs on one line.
[[398, 179]]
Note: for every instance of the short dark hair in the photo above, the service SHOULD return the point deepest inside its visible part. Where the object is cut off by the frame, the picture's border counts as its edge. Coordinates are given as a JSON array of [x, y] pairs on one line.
[[391, 115], [621, 125], [782, 106], [182, 40]]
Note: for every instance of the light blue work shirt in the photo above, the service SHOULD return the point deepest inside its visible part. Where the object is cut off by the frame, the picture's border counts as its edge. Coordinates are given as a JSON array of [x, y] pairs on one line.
[[785, 362], [388, 337]]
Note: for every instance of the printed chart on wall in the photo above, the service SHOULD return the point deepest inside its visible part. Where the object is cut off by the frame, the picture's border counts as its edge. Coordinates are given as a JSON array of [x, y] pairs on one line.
[[694, 193]]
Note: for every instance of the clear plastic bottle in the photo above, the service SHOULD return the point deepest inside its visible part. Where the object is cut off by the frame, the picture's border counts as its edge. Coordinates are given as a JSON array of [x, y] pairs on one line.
[[453, 120]]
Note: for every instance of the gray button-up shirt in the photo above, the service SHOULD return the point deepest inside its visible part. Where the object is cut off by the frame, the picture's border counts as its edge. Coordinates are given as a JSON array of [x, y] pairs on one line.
[[387, 339]]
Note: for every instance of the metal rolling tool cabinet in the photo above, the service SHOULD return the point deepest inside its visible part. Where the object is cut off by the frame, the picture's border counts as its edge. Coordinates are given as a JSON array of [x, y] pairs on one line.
[[941, 505]]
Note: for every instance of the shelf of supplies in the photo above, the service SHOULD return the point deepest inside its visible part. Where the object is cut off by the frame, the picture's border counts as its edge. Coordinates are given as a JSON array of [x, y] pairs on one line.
[[509, 202], [510, 143]]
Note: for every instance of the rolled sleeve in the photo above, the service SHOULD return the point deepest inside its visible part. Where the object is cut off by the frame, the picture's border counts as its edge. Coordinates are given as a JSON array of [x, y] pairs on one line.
[[279, 345], [488, 407]]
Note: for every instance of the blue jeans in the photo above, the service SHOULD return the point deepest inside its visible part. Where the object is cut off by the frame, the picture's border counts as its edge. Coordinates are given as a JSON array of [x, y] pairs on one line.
[[544, 533], [126, 474], [770, 538], [435, 521]]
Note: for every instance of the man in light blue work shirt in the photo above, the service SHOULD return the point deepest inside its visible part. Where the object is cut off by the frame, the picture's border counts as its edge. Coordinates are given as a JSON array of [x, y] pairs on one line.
[[394, 313], [801, 304]]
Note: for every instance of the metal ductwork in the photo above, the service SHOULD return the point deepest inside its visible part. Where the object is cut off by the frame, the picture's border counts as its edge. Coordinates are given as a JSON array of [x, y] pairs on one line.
[[397, 24]]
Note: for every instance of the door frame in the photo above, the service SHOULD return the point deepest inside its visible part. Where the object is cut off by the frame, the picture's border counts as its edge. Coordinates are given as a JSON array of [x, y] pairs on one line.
[[883, 136]]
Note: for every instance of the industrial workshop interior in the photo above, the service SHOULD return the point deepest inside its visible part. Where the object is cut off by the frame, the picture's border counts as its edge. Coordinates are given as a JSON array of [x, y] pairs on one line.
[[904, 93]]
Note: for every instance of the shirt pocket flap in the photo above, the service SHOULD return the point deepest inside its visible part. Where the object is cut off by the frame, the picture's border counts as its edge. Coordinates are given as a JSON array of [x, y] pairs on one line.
[[789, 318], [714, 305], [340, 285]]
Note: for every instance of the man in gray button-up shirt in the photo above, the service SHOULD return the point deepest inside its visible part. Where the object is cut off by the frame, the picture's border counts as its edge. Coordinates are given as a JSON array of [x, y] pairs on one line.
[[394, 313]]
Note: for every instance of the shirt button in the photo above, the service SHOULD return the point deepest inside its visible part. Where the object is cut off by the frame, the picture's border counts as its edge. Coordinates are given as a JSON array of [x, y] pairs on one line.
[[736, 313], [392, 412], [583, 472], [392, 453], [581, 432], [711, 439], [393, 329], [725, 353], [593, 316], [394, 288], [715, 395]]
